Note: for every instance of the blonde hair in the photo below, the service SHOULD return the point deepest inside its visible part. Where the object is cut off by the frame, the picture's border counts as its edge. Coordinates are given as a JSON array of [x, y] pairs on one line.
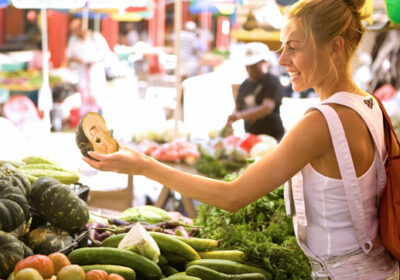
[[323, 20]]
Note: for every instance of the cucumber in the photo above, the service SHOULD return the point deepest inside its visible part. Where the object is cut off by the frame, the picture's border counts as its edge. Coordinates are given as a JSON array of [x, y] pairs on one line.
[[232, 255], [113, 241], [227, 266], [126, 272], [206, 273], [176, 261], [43, 166], [39, 159], [162, 260], [65, 177], [182, 276], [168, 270], [102, 255], [199, 244], [169, 244]]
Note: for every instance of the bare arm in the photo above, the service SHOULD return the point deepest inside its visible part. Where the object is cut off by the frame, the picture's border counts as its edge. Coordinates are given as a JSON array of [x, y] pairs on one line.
[[309, 139]]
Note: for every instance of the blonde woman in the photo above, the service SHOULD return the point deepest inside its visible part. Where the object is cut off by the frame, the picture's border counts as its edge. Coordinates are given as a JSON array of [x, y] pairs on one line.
[[338, 147]]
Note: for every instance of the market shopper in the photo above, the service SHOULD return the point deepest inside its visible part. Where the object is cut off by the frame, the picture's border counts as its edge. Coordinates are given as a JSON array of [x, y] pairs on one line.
[[86, 53], [340, 155], [260, 95]]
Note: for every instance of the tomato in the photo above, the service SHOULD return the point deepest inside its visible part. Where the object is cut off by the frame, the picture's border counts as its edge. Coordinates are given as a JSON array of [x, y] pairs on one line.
[[114, 276], [249, 141], [59, 260], [71, 272], [96, 274], [41, 263], [28, 274]]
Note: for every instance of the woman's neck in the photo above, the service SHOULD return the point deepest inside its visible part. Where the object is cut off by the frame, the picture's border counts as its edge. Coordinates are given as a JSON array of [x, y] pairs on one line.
[[342, 83]]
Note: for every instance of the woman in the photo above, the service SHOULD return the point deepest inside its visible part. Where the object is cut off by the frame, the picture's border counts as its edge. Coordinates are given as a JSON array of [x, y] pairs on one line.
[[339, 161]]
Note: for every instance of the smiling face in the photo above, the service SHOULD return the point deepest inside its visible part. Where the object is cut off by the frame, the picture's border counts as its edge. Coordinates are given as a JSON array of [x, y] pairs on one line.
[[301, 59]]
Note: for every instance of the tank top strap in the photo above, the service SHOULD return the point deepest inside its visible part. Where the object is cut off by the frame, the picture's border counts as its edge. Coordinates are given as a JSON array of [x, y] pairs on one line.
[[360, 109], [363, 109], [348, 173]]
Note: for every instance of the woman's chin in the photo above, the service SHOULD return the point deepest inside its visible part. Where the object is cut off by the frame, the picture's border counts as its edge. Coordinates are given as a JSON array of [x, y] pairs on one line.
[[298, 88]]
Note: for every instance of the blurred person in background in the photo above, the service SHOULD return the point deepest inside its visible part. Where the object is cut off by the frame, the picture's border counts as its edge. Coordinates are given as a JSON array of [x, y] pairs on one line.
[[86, 53], [260, 95], [190, 49]]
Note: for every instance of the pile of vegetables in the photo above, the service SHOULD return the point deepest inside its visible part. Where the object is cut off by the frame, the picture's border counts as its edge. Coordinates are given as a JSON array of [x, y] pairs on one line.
[[62, 214], [261, 230], [222, 156]]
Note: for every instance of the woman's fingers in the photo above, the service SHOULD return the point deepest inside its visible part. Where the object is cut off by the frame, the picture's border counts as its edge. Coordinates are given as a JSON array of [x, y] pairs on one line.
[[97, 156]]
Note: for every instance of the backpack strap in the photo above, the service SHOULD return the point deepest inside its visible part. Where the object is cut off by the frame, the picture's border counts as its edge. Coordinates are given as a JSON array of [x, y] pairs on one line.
[[348, 173]]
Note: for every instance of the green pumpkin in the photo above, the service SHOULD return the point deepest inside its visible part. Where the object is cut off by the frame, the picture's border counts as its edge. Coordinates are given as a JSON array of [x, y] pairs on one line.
[[17, 179], [59, 204], [14, 207], [92, 135], [49, 239], [11, 251]]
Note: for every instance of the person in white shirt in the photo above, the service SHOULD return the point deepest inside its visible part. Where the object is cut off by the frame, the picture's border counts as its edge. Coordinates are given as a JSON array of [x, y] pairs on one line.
[[86, 53]]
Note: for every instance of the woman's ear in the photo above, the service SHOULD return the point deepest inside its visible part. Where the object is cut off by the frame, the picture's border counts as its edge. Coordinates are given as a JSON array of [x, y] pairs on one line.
[[337, 45]]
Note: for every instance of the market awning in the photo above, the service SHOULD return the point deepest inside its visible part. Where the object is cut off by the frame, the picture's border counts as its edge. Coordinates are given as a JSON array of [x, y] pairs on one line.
[[3, 3], [225, 7]]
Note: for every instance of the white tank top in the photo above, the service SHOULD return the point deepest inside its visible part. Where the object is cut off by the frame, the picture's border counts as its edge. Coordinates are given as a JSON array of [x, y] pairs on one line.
[[330, 229]]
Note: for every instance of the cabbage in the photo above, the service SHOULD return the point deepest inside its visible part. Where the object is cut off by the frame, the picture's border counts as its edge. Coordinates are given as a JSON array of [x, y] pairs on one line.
[[138, 240]]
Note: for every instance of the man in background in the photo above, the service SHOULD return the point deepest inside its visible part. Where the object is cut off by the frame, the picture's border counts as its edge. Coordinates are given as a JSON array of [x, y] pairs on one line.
[[260, 95]]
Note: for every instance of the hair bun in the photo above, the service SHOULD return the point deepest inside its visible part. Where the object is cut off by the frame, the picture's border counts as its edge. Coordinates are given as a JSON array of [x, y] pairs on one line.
[[355, 4]]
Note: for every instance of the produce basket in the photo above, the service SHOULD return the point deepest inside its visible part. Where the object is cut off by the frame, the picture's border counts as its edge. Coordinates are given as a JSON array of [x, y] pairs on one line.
[[81, 190], [80, 240]]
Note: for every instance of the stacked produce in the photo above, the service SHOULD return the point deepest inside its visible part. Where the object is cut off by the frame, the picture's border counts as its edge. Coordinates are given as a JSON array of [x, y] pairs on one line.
[[222, 156], [178, 150], [34, 167], [63, 214]]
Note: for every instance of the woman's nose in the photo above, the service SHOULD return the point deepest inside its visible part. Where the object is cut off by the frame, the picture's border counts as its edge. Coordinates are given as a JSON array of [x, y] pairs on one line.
[[283, 59]]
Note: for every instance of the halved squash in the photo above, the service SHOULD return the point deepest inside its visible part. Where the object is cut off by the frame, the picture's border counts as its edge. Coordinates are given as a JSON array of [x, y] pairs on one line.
[[92, 135]]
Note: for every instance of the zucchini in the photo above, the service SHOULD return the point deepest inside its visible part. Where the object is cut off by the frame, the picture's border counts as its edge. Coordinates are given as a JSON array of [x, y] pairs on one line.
[[199, 244], [102, 255], [126, 272], [227, 266], [232, 255], [206, 273], [169, 244]]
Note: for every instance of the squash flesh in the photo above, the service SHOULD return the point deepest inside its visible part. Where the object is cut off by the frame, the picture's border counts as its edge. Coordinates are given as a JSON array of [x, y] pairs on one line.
[[95, 130]]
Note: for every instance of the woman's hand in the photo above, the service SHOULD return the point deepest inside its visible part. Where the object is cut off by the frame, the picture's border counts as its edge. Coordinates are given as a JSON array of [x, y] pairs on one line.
[[126, 161]]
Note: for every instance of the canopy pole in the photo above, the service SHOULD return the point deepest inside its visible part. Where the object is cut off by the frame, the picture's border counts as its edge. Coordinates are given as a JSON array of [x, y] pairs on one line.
[[45, 98], [178, 84]]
